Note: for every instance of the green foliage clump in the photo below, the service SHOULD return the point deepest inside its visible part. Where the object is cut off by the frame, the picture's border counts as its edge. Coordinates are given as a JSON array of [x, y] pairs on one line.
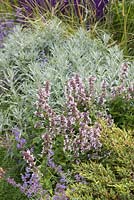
[[11, 168], [110, 175], [122, 111]]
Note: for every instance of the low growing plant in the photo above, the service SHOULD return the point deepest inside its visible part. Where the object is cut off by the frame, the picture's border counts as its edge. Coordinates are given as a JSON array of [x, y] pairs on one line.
[[110, 175]]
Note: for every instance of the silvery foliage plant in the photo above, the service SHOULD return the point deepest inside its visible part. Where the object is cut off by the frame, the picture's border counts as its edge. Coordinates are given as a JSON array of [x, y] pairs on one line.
[[31, 56]]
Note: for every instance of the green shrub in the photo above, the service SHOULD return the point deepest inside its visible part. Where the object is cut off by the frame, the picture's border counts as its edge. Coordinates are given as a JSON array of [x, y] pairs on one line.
[[110, 175], [122, 111]]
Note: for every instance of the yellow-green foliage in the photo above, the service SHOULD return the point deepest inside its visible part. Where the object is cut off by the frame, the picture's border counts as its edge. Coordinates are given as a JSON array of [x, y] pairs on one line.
[[111, 176]]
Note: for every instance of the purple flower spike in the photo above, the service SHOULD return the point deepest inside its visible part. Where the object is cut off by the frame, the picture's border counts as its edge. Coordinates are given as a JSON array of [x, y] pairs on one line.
[[16, 132], [60, 192], [11, 181], [29, 158], [31, 184], [20, 141]]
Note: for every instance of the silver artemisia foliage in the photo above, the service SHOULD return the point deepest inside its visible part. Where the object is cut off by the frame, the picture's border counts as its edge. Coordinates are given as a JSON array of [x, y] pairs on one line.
[[32, 56]]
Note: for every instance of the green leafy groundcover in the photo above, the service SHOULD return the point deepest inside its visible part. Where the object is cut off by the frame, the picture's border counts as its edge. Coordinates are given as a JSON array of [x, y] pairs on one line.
[[111, 176]]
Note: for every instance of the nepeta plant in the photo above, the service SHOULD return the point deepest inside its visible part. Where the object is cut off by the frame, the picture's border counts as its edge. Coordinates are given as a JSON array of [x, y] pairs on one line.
[[20, 141], [30, 185], [59, 193], [74, 125]]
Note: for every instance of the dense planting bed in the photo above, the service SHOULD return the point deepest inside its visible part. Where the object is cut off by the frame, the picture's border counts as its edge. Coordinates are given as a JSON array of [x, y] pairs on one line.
[[66, 113]]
